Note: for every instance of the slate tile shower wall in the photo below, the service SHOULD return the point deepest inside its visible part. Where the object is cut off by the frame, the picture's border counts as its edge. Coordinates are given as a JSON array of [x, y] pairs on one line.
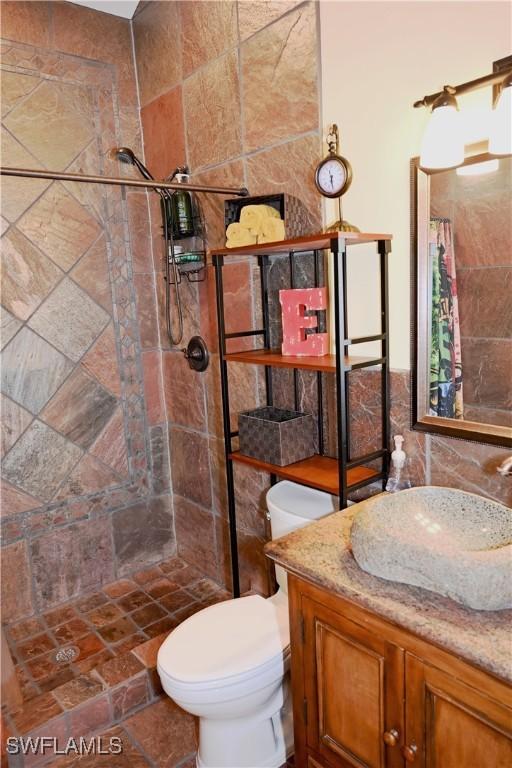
[[230, 88], [85, 476]]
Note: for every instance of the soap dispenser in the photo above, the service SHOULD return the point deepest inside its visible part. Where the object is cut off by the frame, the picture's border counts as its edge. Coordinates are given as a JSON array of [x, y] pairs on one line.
[[398, 479]]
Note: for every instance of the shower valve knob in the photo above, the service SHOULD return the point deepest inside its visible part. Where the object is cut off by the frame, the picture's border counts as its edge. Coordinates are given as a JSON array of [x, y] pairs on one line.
[[196, 353]]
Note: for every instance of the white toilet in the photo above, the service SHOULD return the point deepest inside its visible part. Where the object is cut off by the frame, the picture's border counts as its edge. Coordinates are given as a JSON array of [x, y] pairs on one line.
[[229, 663]]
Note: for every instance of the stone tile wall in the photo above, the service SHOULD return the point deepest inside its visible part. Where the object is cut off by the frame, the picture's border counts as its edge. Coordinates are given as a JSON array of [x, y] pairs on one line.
[[434, 460], [234, 95], [85, 476]]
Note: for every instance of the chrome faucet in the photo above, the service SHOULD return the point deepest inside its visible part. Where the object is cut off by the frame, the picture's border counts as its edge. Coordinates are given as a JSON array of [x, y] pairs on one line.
[[505, 468]]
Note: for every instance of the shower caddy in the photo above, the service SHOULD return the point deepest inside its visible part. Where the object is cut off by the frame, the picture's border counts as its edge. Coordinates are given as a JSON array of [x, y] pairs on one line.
[[336, 476]]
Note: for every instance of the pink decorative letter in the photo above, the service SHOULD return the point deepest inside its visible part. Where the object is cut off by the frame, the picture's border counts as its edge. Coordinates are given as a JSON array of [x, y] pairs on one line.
[[294, 304]]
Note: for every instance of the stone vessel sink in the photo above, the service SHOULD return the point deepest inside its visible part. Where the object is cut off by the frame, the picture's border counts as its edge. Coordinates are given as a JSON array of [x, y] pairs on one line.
[[450, 542]]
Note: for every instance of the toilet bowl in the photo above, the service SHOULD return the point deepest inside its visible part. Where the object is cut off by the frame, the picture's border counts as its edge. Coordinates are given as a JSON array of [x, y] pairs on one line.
[[229, 663]]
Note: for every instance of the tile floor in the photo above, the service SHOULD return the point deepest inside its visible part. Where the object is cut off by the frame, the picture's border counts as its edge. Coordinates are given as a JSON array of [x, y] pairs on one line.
[[111, 687], [105, 624]]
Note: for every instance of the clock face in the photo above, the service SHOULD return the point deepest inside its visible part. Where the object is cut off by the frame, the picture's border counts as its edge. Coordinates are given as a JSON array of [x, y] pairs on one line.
[[333, 176]]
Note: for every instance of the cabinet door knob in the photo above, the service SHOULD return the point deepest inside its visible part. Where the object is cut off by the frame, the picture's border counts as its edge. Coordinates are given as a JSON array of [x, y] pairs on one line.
[[391, 737], [409, 752]]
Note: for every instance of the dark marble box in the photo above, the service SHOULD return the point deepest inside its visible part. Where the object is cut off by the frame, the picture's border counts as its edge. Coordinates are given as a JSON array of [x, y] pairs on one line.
[[276, 436]]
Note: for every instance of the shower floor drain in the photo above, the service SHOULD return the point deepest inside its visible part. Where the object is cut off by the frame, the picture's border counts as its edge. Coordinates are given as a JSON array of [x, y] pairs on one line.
[[66, 655]]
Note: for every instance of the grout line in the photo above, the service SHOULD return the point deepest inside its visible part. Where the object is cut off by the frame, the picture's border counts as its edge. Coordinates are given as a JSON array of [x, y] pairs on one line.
[[273, 21], [209, 510], [138, 105], [135, 743], [188, 428], [428, 459], [486, 338], [254, 152], [36, 160], [38, 79], [186, 760], [241, 95], [180, 85], [481, 267]]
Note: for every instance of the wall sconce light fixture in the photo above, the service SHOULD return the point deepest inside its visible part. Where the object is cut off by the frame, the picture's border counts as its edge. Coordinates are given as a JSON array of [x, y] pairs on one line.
[[443, 142], [443, 145]]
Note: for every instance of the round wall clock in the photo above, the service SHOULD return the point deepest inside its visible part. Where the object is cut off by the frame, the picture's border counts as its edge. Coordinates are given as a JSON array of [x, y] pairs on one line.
[[333, 177]]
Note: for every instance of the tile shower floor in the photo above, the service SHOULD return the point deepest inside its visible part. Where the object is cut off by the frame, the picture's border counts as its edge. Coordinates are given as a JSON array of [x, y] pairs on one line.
[[89, 667]]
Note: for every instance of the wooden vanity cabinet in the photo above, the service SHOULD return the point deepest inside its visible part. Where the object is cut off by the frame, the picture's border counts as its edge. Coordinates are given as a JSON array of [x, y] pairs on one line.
[[452, 724], [371, 695]]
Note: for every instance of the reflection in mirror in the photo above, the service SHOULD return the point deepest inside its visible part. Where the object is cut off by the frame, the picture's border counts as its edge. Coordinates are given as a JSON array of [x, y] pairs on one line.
[[463, 267]]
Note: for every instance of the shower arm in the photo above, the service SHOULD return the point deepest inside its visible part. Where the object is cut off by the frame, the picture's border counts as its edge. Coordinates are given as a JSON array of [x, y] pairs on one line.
[[33, 173]]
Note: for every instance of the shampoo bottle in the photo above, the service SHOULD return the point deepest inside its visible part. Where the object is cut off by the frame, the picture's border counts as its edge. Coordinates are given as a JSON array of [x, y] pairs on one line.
[[182, 209]]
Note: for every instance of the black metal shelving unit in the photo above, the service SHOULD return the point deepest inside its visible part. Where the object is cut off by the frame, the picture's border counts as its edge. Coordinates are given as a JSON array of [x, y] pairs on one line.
[[337, 476]]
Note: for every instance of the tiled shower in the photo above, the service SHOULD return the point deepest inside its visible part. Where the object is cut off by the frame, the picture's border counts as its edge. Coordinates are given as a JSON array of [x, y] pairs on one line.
[[87, 486], [114, 520], [112, 457]]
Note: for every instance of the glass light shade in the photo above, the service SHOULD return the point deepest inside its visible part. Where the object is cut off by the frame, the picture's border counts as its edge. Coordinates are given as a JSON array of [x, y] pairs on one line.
[[500, 140], [477, 169], [443, 143]]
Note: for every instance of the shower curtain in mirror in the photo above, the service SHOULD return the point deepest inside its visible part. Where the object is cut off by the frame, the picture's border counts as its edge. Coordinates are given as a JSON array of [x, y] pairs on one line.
[[445, 353]]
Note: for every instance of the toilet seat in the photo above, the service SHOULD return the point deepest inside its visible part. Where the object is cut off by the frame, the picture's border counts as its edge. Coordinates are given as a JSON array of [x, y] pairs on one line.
[[226, 645]]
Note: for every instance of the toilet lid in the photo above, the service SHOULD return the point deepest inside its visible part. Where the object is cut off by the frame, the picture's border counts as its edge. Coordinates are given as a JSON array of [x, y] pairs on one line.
[[226, 640]]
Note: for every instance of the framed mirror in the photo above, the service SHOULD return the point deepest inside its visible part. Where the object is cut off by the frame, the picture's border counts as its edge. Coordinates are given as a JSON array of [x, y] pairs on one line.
[[461, 233]]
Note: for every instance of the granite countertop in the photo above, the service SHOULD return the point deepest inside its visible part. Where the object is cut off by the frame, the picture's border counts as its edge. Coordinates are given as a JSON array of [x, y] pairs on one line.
[[320, 553]]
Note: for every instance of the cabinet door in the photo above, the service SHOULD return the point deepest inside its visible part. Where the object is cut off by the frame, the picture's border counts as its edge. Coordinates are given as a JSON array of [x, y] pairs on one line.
[[354, 686], [451, 725]]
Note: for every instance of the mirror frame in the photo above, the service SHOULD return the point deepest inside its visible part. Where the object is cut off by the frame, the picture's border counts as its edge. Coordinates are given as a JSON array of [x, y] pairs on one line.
[[439, 425]]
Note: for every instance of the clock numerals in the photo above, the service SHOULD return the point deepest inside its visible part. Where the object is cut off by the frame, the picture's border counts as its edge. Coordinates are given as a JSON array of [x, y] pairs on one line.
[[333, 176]]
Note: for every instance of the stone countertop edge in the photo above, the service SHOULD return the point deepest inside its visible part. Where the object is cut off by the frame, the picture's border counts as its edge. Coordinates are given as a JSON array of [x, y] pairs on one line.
[[320, 553]]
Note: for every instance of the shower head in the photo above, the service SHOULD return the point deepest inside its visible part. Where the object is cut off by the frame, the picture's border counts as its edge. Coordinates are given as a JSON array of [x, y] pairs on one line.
[[125, 155]]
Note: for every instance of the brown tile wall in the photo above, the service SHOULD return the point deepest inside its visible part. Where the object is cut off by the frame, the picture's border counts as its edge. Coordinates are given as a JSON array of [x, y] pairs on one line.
[[233, 95], [433, 460], [85, 477]]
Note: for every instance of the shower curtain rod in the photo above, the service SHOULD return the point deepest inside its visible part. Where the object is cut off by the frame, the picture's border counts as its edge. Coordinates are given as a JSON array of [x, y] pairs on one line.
[[33, 173]]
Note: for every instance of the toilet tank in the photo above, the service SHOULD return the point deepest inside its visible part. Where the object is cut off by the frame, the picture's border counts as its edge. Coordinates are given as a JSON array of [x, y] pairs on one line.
[[292, 506]]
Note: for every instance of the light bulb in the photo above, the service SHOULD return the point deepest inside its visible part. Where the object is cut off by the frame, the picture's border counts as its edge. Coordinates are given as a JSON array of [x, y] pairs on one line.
[[500, 140], [443, 143], [477, 169]]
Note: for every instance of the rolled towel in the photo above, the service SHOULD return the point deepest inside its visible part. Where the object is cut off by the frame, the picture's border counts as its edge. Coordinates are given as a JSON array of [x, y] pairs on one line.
[[252, 216], [272, 231], [237, 230], [241, 238]]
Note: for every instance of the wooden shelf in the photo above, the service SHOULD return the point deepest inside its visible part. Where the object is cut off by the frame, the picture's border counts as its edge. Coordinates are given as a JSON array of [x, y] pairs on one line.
[[274, 358], [320, 242], [317, 472]]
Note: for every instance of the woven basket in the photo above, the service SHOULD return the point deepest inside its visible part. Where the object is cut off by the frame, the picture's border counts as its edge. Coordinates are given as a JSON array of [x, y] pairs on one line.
[[276, 436]]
